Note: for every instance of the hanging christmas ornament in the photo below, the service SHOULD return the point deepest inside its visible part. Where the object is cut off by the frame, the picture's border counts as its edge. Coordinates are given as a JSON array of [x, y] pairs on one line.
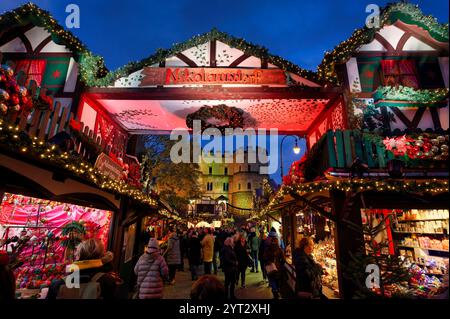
[[444, 148], [3, 108]]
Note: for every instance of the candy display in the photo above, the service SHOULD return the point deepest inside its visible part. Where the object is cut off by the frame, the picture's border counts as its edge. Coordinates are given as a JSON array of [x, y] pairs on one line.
[[425, 242], [324, 253], [419, 214], [38, 234]]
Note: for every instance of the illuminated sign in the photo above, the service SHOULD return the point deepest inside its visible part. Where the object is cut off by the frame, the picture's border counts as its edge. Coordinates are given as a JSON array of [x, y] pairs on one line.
[[208, 76]]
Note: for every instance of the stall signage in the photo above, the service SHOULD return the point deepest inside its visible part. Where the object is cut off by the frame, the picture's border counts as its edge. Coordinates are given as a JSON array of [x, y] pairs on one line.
[[206, 76], [107, 166]]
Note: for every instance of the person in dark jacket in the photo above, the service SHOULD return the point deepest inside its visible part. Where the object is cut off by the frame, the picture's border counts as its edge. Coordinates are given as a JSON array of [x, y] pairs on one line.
[[308, 273], [240, 248], [183, 248], [194, 254], [253, 245], [261, 249], [273, 255], [89, 256], [229, 266]]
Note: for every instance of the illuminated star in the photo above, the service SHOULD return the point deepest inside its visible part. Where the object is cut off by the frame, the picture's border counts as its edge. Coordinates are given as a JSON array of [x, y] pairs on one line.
[[56, 74]]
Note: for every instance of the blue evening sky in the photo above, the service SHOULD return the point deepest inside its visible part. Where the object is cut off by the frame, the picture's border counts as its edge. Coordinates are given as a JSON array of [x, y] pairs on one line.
[[300, 30]]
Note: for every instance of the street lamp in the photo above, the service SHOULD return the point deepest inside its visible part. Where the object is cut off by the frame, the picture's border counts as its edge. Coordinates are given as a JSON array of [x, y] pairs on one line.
[[296, 150]]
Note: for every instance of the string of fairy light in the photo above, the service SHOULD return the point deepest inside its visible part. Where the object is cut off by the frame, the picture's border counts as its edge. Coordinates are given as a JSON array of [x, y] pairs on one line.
[[93, 71], [404, 93], [405, 11], [12, 138], [433, 186]]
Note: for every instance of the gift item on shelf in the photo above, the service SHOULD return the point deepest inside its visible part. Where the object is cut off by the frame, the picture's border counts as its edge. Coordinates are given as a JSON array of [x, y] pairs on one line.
[[428, 227], [419, 214], [325, 255]]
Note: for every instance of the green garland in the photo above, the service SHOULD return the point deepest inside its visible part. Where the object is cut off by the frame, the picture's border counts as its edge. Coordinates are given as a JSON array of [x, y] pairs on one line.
[[14, 140], [406, 12], [232, 115], [90, 63], [404, 93], [433, 186]]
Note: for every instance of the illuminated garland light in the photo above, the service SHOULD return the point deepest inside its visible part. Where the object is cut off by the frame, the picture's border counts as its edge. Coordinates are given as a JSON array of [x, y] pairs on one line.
[[404, 93], [13, 140], [433, 186], [406, 12]]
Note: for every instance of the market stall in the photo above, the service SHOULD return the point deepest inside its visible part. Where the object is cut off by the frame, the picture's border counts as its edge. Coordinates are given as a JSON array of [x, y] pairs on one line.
[[41, 236]]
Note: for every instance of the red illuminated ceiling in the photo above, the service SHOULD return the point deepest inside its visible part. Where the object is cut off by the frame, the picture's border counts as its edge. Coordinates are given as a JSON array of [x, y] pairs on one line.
[[137, 114]]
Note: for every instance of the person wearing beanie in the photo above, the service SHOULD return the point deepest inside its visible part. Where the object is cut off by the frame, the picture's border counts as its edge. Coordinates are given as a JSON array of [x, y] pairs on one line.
[[7, 279], [151, 270]]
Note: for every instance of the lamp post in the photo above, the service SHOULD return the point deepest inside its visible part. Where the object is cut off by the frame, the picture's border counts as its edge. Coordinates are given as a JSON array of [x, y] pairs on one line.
[[296, 150]]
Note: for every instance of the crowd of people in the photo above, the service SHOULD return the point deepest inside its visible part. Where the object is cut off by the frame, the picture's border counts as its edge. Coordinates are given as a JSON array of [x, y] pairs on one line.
[[207, 251]]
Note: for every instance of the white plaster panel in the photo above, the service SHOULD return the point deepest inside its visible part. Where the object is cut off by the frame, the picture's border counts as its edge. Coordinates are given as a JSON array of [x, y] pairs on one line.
[[413, 44], [52, 47], [36, 35], [353, 75], [225, 54], [174, 61], [251, 62], [375, 45], [392, 34], [133, 80], [15, 45], [71, 78], [199, 54]]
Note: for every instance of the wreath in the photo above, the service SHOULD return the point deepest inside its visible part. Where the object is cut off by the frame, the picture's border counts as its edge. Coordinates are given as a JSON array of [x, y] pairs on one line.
[[218, 116]]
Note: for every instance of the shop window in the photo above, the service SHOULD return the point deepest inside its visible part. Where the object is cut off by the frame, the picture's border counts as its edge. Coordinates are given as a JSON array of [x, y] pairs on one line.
[[30, 70], [399, 72]]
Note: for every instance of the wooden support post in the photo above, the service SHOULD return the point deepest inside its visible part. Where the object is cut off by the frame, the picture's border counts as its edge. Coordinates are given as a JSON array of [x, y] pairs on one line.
[[347, 240]]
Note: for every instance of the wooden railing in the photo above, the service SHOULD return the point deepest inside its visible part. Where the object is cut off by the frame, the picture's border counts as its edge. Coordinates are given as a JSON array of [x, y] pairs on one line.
[[343, 147], [45, 124]]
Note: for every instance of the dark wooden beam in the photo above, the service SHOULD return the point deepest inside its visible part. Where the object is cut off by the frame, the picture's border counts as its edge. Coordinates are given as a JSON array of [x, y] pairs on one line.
[[435, 117], [315, 207], [42, 44], [186, 60], [405, 37], [212, 93], [212, 53], [402, 117], [239, 60], [384, 42], [418, 116]]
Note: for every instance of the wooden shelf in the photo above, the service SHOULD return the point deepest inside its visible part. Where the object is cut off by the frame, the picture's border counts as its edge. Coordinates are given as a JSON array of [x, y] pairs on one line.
[[403, 246], [409, 232], [420, 220]]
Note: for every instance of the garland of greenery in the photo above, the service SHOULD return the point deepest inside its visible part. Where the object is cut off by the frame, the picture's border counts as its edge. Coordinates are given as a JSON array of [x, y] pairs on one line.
[[89, 63], [231, 115], [404, 93], [406, 12], [433, 186], [14, 140]]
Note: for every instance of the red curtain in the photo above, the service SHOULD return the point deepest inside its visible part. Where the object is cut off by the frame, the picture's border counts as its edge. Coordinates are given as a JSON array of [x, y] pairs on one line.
[[399, 72], [33, 70], [390, 72], [407, 71]]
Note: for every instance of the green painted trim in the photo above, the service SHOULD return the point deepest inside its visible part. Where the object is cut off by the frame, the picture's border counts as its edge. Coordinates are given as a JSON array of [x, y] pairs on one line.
[[331, 150], [340, 149]]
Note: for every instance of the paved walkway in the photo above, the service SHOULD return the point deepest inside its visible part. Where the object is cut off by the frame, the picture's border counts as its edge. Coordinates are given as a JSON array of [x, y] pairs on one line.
[[255, 288]]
